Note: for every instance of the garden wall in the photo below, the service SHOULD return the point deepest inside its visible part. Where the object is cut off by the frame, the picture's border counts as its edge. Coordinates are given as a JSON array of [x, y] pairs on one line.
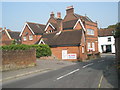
[[16, 59], [117, 48]]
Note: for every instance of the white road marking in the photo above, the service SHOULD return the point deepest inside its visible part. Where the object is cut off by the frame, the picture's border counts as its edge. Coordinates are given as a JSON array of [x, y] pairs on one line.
[[68, 74], [87, 65]]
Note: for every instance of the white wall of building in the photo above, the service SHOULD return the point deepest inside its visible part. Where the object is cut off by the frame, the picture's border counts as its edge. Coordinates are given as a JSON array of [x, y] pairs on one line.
[[104, 41]]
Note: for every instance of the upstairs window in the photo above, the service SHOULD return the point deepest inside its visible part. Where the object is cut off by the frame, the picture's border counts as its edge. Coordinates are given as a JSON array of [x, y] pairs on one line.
[[109, 39], [90, 31], [24, 38], [26, 33], [31, 37], [50, 31]]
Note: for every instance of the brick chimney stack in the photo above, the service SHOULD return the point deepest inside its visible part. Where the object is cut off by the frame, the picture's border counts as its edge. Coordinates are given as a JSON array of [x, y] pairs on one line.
[[52, 14], [69, 10], [58, 15], [59, 22]]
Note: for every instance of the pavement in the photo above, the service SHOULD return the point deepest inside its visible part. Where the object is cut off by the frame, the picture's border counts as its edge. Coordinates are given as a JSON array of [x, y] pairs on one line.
[[41, 67], [99, 73]]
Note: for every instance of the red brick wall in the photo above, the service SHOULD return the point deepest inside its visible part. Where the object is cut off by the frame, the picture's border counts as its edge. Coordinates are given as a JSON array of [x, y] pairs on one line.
[[70, 50], [29, 42], [92, 38], [15, 59]]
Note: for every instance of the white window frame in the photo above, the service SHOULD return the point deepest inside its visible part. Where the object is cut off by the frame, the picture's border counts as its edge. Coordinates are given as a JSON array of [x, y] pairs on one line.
[[50, 31], [109, 38], [30, 37], [90, 32], [24, 38], [93, 46], [83, 50]]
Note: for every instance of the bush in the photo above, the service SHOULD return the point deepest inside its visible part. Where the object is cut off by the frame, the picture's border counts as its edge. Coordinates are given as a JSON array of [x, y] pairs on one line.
[[41, 50]]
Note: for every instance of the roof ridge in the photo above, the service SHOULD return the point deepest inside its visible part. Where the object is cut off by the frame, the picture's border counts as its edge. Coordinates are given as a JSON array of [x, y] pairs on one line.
[[35, 23]]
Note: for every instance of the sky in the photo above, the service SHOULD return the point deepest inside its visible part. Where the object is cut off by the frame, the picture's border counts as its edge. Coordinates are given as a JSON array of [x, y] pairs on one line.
[[15, 14]]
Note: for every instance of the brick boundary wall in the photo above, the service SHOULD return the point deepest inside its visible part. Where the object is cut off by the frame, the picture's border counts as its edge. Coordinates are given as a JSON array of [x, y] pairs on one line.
[[117, 43], [16, 59]]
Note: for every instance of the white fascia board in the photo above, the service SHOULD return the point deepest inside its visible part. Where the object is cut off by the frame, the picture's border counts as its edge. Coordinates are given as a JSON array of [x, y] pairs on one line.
[[8, 34], [48, 25], [79, 20], [24, 28], [41, 41]]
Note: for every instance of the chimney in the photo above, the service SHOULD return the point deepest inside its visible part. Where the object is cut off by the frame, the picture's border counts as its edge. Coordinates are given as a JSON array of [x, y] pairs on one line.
[[52, 14], [69, 10], [59, 22], [4, 28], [58, 15]]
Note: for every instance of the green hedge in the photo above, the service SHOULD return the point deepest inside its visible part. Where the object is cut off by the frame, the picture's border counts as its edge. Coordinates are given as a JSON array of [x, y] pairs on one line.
[[41, 50]]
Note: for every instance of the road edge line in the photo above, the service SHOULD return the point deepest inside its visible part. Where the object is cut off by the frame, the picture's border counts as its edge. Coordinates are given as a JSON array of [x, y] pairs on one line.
[[24, 74]]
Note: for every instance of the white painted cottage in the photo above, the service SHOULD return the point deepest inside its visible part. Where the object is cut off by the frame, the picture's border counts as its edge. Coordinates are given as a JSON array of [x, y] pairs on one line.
[[106, 41]]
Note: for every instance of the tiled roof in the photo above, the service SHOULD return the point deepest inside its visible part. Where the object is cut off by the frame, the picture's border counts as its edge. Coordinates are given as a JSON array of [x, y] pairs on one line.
[[14, 35], [69, 24], [36, 28], [105, 32], [65, 38], [83, 17]]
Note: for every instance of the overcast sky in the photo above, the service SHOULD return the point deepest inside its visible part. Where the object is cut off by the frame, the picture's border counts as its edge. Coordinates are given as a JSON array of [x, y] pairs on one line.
[[15, 14]]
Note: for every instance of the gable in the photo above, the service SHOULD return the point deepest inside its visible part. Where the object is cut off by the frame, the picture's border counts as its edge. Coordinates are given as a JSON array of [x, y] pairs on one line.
[[5, 35], [26, 26], [49, 27], [81, 24], [77, 26], [26, 31]]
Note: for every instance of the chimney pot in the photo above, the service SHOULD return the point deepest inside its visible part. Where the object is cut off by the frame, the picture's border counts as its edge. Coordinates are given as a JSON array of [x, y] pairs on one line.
[[69, 7], [52, 14], [69, 10], [4, 28], [58, 15]]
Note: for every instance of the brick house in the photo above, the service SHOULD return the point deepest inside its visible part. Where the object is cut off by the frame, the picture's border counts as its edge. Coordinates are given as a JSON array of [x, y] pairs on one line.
[[31, 33], [9, 36], [71, 38]]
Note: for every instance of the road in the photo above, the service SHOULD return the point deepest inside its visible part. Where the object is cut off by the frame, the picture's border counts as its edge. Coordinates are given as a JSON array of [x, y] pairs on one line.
[[99, 73]]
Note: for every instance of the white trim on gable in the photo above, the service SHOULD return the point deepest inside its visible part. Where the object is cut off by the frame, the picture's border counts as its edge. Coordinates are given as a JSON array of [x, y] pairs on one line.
[[48, 25], [24, 28], [8, 34], [79, 20], [41, 41]]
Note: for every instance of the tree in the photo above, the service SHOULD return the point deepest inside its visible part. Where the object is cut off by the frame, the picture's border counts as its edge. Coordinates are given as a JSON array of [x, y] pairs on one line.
[[117, 33]]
